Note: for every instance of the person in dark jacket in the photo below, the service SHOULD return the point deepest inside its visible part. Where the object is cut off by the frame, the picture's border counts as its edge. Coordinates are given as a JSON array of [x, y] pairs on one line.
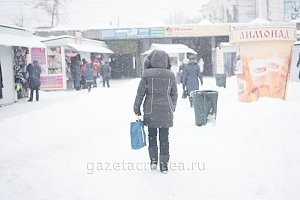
[[88, 74], [298, 65], [180, 76], [105, 72], [191, 76], [83, 67], [34, 79], [1, 83], [75, 65], [157, 91]]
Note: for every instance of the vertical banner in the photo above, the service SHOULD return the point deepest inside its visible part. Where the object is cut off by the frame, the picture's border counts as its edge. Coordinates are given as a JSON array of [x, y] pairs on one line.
[[265, 54]]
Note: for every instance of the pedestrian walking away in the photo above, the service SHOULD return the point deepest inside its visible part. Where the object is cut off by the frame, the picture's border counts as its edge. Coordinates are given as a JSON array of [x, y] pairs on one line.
[[180, 76], [75, 65], [34, 76], [191, 76], [157, 91], [105, 72]]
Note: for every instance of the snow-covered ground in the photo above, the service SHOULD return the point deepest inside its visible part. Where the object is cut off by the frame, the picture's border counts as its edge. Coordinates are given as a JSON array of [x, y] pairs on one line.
[[75, 145]]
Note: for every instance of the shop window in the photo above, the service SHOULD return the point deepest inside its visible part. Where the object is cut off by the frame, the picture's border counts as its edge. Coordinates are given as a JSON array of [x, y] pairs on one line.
[[54, 60]]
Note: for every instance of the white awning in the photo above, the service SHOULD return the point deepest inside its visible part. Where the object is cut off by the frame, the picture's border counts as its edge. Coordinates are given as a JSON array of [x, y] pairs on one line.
[[19, 40], [170, 48], [89, 48]]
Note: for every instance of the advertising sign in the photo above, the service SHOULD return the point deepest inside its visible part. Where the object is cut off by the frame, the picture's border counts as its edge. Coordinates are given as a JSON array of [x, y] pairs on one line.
[[265, 54], [197, 30], [125, 33], [49, 82]]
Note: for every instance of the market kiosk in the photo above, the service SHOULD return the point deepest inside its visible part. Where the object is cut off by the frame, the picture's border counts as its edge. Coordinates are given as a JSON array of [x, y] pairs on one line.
[[18, 47], [60, 50]]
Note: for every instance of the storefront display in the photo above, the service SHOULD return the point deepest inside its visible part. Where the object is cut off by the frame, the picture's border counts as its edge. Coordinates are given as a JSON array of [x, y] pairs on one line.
[[20, 63], [52, 73], [54, 60]]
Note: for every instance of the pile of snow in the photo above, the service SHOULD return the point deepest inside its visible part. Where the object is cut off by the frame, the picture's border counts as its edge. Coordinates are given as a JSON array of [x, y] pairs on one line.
[[76, 145]]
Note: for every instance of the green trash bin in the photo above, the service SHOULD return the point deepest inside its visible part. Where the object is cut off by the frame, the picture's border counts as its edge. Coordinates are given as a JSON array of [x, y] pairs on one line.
[[220, 80], [205, 106]]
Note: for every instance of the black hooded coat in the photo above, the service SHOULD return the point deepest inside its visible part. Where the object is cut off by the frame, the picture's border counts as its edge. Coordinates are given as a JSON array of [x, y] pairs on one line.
[[157, 91]]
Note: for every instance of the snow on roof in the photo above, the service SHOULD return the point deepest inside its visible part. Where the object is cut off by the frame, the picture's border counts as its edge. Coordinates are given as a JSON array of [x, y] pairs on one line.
[[87, 45], [70, 37], [205, 22], [295, 20], [67, 28], [19, 40], [259, 21], [170, 48], [89, 48], [18, 36]]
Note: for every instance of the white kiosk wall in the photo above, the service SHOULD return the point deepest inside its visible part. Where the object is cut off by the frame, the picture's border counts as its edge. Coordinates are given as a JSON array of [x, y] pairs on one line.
[[8, 89]]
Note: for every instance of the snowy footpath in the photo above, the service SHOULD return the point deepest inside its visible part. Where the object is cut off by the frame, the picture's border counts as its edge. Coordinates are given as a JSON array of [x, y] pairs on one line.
[[75, 145]]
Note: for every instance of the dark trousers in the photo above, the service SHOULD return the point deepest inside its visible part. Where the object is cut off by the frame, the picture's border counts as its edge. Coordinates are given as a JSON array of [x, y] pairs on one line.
[[163, 144], [95, 81], [106, 80], [36, 94], [89, 82]]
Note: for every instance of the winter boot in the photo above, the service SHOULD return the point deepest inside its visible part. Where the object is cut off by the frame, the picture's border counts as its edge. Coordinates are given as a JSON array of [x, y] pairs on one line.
[[163, 163], [37, 97], [153, 153], [31, 95], [153, 165], [163, 167]]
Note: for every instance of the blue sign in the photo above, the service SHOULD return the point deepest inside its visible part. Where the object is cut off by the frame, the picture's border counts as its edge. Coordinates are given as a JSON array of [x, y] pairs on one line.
[[107, 34], [125, 33]]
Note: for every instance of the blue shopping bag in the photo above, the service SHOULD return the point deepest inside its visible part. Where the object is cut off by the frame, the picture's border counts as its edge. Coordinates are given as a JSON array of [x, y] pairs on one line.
[[137, 134]]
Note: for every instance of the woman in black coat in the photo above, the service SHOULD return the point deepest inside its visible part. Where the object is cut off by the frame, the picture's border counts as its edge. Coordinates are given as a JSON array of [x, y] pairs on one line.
[[34, 72], [157, 91]]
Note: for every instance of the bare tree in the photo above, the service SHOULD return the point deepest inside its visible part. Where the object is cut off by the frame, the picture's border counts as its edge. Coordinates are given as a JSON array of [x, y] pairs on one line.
[[19, 21], [52, 8]]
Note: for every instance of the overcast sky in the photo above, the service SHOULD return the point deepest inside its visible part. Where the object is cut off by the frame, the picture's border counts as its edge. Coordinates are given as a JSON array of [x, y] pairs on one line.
[[91, 12]]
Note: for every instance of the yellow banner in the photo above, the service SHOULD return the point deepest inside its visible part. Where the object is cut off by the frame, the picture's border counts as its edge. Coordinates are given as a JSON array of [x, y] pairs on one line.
[[197, 30]]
